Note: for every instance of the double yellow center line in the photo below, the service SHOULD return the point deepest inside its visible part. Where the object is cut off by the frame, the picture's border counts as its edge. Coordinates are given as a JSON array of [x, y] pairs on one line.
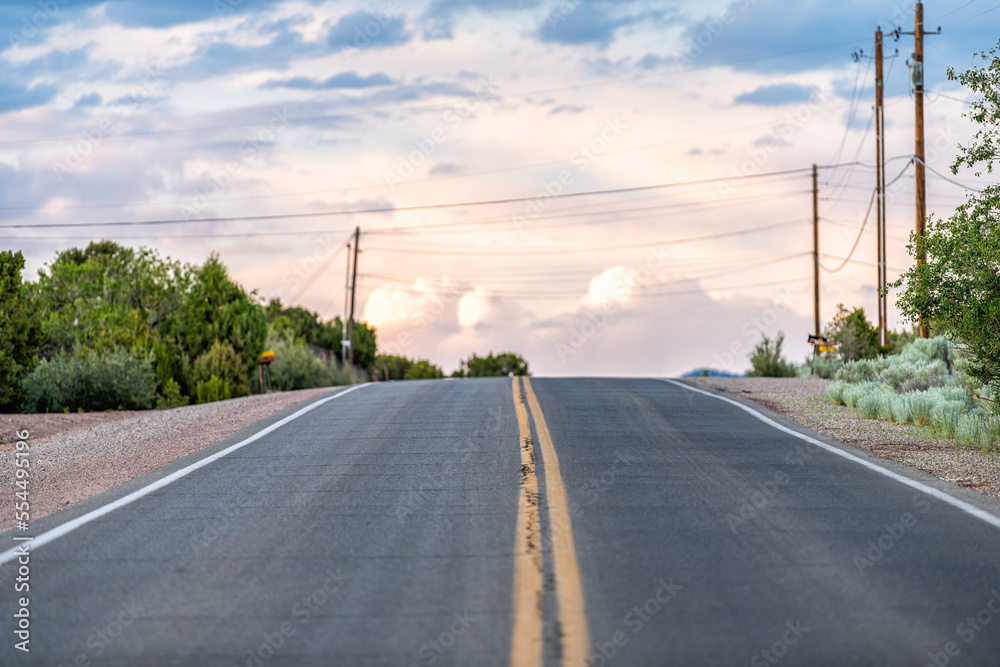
[[527, 645]]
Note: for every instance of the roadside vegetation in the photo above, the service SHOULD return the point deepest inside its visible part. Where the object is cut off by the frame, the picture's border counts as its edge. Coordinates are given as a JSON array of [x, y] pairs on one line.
[[950, 383], [110, 327]]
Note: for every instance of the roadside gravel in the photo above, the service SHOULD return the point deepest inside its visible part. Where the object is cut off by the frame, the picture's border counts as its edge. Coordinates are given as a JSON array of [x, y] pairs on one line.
[[74, 457], [804, 400]]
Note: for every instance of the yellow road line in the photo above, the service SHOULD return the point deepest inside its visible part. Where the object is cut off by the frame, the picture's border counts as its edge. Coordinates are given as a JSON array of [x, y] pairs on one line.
[[526, 640], [569, 585]]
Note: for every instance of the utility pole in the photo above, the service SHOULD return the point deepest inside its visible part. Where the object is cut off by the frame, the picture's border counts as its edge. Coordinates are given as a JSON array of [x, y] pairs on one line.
[[917, 76], [883, 333], [815, 174], [354, 290], [345, 342]]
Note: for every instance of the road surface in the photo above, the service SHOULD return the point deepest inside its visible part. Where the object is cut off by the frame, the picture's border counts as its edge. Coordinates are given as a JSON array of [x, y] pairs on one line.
[[490, 522]]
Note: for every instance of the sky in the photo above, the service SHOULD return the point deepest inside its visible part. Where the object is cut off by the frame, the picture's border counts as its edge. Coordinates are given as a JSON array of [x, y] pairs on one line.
[[607, 188]]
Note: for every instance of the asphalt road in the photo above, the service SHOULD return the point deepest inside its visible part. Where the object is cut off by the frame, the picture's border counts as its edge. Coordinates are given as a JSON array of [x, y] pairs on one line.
[[398, 525]]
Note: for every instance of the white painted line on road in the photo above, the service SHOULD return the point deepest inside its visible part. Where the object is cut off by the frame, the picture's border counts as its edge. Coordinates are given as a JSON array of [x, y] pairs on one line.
[[80, 521], [968, 508]]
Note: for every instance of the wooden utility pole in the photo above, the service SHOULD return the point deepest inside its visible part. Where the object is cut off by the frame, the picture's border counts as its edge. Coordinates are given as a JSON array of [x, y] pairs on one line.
[[345, 342], [883, 333], [816, 250], [918, 96], [354, 290], [917, 75]]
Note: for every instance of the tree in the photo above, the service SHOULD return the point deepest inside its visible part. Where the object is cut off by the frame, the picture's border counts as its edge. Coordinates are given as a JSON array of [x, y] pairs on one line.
[[855, 336], [767, 361], [20, 331], [505, 363], [106, 292], [424, 370], [222, 362], [216, 309], [958, 289], [390, 367]]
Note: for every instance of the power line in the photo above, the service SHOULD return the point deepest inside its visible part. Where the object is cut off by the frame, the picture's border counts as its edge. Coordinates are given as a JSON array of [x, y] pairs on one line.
[[945, 178], [397, 209], [577, 296], [562, 250]]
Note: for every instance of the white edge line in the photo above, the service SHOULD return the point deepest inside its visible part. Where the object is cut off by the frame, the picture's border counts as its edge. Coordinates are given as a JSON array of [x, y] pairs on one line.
[[68, 527], [968, 508]]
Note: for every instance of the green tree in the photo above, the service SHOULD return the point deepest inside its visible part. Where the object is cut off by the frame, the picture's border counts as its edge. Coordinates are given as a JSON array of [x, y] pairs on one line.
[[766, 359], [20, 331], [217, 309], [957, 290], [390, 367], [106, 292], [222, 362], [424, 370], [855, 336], [305, 325], [492, 365]]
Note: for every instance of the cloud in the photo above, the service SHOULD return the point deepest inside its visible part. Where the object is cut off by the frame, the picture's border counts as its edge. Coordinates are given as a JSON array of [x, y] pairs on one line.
[[568, 109], [350, 80], [216, 58], [776, 95], [14, 97], [142, 13], [440, 14], [586, 23], [362, 30], [91, 100]]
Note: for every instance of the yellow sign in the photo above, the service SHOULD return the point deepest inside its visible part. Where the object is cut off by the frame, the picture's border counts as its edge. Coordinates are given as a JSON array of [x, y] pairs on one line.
[[267, 357]]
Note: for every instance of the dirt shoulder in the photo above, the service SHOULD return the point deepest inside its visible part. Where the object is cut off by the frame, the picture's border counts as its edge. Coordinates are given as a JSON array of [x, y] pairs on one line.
[[804, 400], [76, 456]]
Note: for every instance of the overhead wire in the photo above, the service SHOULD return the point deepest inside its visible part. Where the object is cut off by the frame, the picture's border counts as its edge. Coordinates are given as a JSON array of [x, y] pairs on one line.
[[864, 223]]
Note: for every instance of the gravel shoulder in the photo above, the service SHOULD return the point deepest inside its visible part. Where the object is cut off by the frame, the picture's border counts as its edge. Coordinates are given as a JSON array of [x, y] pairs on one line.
[[804, 400], [76, 456]]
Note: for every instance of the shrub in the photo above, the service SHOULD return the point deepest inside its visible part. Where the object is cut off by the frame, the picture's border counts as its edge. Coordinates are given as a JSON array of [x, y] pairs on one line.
[[172, 396], [213, 389], [424, 370], [296, 367], [836, 391], [767, 361], [921, 404], [222, 362], [945, 416], [109, 380], [870, 405]]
